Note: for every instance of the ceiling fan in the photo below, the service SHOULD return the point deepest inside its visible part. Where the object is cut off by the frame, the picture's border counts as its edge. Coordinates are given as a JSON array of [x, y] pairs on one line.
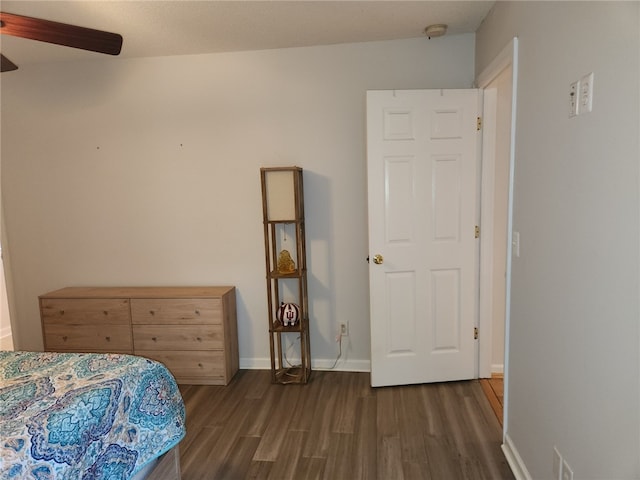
[[58, 33]]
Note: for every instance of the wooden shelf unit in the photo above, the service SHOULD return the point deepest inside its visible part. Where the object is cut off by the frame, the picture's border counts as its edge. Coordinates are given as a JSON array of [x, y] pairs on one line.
[[283, 218]]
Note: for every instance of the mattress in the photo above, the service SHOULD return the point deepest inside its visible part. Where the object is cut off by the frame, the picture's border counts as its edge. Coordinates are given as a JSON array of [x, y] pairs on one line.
[[85, 416]]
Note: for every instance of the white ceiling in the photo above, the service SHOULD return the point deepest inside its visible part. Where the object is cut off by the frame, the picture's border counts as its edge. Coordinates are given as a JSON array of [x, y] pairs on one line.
[[183, 27]]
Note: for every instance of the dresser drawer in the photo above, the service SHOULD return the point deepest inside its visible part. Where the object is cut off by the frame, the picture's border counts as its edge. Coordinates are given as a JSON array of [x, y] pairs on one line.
[[177, 337], [191, 367], [87, 311], [88, 338], [176, 310], [192, 330]]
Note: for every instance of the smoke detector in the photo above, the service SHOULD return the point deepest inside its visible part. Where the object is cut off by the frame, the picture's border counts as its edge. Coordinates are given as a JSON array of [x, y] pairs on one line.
[[436, 30]]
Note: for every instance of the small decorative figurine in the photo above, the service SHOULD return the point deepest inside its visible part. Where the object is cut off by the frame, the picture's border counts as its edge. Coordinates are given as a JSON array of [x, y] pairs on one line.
[[288, 314], [285, 262]]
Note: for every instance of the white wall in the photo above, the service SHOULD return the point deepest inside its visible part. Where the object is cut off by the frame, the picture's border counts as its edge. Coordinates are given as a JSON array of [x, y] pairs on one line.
[[146, 172], [573, 376]]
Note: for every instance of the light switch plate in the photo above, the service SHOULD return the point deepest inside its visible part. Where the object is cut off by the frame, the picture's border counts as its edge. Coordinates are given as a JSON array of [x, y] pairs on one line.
[[586, 94]]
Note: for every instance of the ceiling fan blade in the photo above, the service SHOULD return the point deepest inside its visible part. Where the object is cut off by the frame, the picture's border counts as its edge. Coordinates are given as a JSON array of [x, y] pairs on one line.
[[60, 33], [6, 65]]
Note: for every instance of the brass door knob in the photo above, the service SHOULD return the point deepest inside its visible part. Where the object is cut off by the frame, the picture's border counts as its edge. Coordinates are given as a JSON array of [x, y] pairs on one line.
[[378, 259]]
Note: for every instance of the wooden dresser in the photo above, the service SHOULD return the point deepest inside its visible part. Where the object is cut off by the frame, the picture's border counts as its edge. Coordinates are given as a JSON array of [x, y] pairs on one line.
[[192, 330]]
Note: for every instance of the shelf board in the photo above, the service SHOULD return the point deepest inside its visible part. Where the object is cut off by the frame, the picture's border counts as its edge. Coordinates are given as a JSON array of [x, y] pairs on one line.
[[296, 274], [279, 328], [273, 222]]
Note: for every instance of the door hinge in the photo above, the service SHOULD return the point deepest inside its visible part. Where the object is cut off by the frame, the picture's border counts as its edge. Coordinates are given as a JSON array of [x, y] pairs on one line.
[[478, 123], [475, 333], [477, 231]]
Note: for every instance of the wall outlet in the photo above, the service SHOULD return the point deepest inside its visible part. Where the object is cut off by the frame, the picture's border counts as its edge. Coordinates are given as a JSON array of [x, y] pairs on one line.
[[567, 473], [344, 329], [557, 464], [574, 92]]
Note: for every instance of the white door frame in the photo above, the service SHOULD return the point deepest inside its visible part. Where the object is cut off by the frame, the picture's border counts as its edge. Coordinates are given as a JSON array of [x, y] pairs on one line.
[[507, 57]]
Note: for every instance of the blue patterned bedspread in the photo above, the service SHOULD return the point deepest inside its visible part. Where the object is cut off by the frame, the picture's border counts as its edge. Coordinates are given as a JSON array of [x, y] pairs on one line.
[[82, 416]]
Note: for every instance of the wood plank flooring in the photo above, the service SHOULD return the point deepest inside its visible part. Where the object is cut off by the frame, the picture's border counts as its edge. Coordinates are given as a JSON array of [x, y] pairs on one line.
[[494, 391], [338, 427]]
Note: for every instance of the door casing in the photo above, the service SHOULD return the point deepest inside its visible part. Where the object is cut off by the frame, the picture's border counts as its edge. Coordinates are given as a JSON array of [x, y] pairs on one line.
[[507, 57]]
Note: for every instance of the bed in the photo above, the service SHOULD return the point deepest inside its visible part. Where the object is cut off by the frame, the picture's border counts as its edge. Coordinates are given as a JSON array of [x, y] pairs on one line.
[[87, 416]]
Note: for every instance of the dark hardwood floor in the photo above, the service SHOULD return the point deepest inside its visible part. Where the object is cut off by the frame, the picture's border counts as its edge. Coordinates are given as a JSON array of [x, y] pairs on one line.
[[338, 427]]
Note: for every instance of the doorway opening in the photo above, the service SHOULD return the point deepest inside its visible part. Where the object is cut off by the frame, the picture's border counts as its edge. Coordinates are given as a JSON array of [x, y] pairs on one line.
[[6, 336], [499, 84], [493, 389]]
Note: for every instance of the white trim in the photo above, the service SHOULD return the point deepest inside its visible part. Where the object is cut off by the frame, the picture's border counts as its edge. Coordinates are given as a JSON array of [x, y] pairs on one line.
[[317, 364], [485, 302], [497, 368], [512, 161], [514, 460], [6, 342], [503, 60], [255, 363], [508, 56], [342, 366], [7, 303]]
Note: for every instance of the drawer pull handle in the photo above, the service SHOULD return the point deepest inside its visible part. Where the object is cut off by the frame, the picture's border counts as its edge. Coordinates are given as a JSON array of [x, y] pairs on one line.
[[64, 338], [61, 312], [152, 312], [199, 339], [197, 312], [108, 339], [106, 312], [155, 339], [200, 365]]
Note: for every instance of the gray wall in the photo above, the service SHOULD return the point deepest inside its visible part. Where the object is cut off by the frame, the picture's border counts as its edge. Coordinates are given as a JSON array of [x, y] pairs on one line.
[[573, 377], [146, 172]]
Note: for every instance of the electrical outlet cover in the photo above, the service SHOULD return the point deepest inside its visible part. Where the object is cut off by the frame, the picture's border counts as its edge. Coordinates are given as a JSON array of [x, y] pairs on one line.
[[574, 91], [557, 464], [567, 473], [585, 87]]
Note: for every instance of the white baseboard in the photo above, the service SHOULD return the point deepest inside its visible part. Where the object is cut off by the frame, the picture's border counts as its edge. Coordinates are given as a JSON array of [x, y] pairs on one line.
[[342, 365], [255, 363], [514, 459], [6, 342], [497, 368], [317, 364]]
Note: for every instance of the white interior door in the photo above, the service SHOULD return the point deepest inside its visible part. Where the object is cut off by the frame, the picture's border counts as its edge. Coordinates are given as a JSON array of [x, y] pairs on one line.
[[423, 163]]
